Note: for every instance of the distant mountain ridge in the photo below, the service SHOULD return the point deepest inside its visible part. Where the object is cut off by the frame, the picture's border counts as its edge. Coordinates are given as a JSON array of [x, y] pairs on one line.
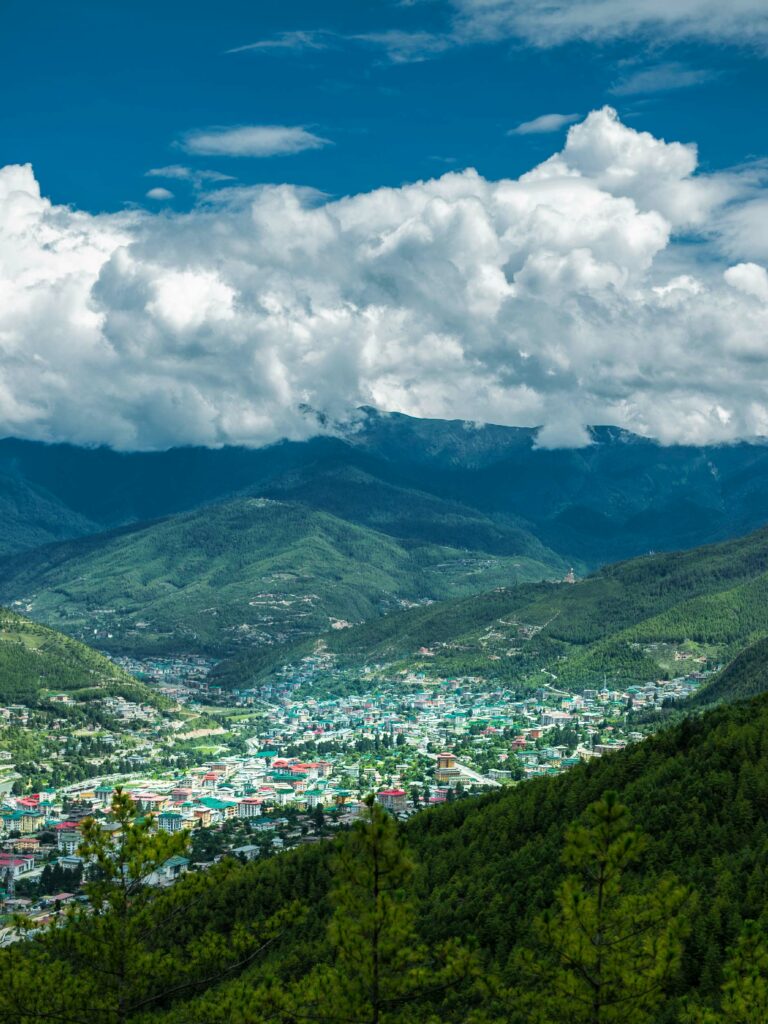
[[248, 572], [621, 496]]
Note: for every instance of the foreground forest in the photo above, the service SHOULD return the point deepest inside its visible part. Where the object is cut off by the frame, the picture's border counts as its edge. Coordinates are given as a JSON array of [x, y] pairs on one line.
[[472, 911]]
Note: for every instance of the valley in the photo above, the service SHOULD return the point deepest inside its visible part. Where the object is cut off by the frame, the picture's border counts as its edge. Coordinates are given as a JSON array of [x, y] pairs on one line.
[[251, 668], [384, 512]]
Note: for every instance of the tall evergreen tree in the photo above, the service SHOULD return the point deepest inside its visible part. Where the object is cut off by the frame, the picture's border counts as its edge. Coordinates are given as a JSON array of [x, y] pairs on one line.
[[606, 953], [381, 971], [116, 960]]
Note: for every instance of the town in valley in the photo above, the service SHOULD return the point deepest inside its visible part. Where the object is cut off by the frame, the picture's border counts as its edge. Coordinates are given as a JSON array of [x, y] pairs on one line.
[[253, 772]]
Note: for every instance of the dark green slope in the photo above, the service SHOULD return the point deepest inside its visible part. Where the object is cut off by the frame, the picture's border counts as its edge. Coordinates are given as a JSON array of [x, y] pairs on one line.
[[35, 661], [746, 676], [351, 492], [699, 791], [617, 625], [30, 517], [252, 572]]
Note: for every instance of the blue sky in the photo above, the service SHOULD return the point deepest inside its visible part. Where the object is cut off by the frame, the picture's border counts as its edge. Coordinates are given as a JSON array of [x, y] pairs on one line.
[[214, 218], [97, 94]]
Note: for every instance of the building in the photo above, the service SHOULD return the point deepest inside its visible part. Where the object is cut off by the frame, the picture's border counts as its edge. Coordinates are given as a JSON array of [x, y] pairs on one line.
[[249, 852], [68, 840], [556, 718], [168, 872], [170, 821], [249, 807], [15, 865], [220, 809], [71, 863], [394, 800], [446, 768], [104, 795]]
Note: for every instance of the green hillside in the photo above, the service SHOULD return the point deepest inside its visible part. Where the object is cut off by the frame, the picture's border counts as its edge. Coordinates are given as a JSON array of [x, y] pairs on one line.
[[251, 572], [30, 517], [407, 512], [632, 622], [36, 661], [485, 868], [746, 676]]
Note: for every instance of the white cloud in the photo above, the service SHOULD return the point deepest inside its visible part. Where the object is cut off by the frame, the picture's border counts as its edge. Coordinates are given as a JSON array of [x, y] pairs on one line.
[[159, 193], [744, 227], [750, 279], [546, 25], [258, 140], [561, 298], [544, 123], [660, 78], [196, 178], [743, 22], [657, 175], [296, 41]]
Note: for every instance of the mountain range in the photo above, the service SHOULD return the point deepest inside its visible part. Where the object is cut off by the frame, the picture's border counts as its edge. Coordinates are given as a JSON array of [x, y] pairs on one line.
[[249, 572], [398, 534], [483, 487]]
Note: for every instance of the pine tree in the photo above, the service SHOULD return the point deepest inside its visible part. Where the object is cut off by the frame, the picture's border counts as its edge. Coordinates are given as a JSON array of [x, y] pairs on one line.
[[605, 953], [744, 997], [381, 971]]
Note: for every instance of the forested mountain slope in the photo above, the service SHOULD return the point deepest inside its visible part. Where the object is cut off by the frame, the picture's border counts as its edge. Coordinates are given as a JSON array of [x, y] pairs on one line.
[[36, 661], [251, 572], [30, 517], [624, 624], [746, 676], [482, 485]]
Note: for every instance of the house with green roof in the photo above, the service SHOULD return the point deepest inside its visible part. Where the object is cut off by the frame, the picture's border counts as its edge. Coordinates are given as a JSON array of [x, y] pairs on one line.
[[168, 872]]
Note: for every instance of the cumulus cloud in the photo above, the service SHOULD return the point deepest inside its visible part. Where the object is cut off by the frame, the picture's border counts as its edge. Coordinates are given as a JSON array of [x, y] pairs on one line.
[[561, 298], [160, 194], [251, 140], [544, 123], [750, 279]]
